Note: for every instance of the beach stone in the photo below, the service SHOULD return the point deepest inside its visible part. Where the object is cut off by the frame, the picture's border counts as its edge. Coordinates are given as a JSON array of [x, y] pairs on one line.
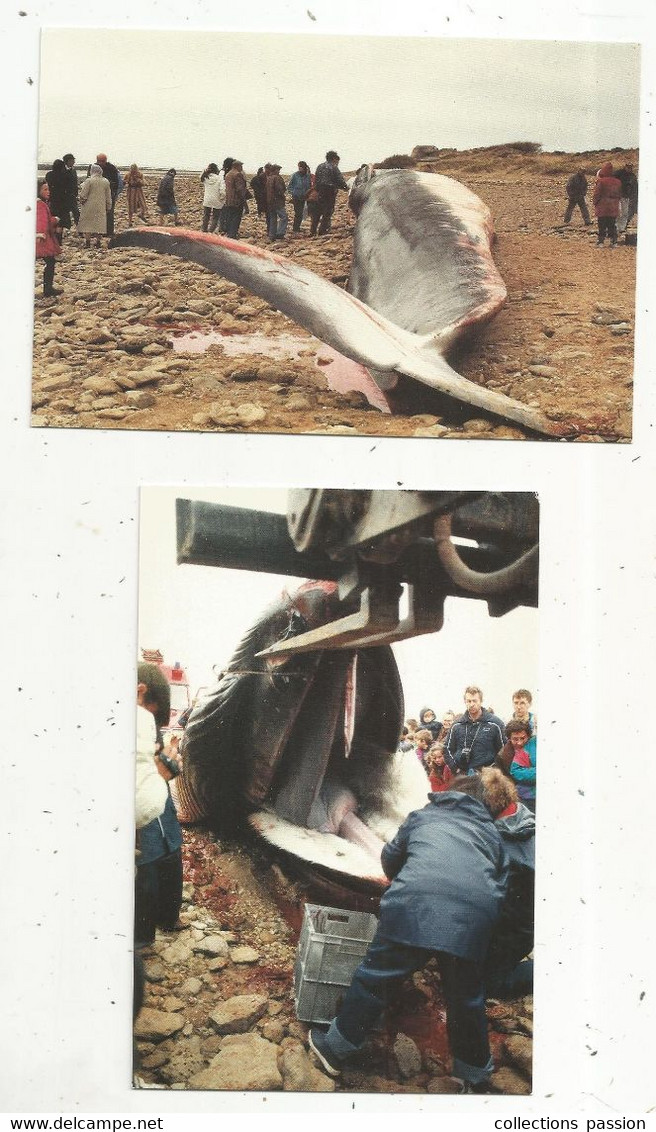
[[101, 385], [519, 1052], [244, 955], [140, 399], [178, 952], [507, 1081], [431, 430], [185, 1061], [298, 403], [407, 1055], [212, 945], [299, 1075], [238, 1014], [273, 1030], [438, 1085], [249, 414], [542, 370], [191, 987], [245, 1063], [155, 1025]]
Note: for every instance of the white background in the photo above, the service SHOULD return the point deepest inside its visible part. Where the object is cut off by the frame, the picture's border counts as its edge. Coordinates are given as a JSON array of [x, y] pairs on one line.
[[69, 562]]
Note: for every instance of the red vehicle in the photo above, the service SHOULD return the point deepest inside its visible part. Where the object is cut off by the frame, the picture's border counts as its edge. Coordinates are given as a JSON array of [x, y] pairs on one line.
[[178, 683]]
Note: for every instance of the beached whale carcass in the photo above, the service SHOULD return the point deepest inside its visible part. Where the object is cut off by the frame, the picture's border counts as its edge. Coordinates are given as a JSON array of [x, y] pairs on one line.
[[422, 279]]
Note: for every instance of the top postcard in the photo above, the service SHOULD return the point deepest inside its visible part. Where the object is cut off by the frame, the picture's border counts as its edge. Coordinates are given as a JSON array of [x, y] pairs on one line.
[[410, 237]]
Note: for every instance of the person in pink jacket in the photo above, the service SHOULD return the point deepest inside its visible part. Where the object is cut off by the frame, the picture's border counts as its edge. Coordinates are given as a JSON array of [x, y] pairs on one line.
[[47, 244], [606, 201]]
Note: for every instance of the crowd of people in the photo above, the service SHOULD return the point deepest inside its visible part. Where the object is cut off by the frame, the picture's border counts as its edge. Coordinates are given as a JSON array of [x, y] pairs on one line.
[[62, 202], [462, 873], [476, 739], [614, 199]]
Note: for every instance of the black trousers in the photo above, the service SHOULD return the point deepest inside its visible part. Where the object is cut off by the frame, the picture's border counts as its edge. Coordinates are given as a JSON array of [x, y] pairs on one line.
[[48, 274], [607, 227], [157, 897], [299, 205]]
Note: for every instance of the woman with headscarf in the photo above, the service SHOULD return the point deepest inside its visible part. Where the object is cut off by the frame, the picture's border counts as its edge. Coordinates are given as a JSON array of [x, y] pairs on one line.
[[95, 205], [136, 201], [47, 243], [58, 183]]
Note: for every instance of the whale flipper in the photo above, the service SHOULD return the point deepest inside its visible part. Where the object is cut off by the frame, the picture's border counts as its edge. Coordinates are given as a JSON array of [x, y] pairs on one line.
[[334, 316]]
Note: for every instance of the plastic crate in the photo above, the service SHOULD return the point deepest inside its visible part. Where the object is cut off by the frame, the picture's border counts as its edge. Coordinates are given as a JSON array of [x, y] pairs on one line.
[[332, 943]]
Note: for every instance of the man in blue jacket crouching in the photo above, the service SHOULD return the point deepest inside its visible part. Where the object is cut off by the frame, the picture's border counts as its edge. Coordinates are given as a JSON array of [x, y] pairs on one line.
[[449, 872]]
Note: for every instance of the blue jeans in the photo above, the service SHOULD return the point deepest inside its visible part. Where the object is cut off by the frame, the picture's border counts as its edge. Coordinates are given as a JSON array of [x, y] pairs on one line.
[[384, 966], [277, 223]]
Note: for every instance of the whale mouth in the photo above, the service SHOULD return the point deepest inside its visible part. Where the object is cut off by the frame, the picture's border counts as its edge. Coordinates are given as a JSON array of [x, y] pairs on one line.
[[304, 752]]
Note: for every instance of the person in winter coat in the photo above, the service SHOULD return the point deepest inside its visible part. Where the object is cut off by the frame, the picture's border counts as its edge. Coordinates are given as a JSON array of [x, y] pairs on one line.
[[112, 175], [72, 187], [95, 206], [299, 186], [213, 196], [475, 738], [508, 970], [48, 246], [58, 183], [576, 190], [258, 187], [276, 189], [236, 191], [136, 201], [166, 202], [429, 720], [158, 883], [327, 181], [449, 873], [523, 764], [629, 197], [438, 772], [606, 200]]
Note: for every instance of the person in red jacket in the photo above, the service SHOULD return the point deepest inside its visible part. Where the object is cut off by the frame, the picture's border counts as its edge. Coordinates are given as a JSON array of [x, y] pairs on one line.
[[47, 244], [606, 200]]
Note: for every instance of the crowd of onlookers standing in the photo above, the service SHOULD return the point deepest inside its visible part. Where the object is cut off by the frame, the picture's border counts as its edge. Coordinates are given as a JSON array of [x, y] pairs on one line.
[[464, 744]]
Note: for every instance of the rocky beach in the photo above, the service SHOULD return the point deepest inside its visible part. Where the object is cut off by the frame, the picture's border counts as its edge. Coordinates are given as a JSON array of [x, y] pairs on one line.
[[141, 341], [219, 1010]]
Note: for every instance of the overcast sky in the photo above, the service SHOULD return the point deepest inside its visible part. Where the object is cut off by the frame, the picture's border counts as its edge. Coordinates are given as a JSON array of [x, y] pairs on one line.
[[198, 614], [179, 98]]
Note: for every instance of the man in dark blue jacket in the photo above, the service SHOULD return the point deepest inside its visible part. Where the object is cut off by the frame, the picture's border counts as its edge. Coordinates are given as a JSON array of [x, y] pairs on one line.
[[475, 738], [448, 870]]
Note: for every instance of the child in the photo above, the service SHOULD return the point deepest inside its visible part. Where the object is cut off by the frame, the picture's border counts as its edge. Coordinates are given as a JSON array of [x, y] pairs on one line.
[[423, 740], [438, 772]]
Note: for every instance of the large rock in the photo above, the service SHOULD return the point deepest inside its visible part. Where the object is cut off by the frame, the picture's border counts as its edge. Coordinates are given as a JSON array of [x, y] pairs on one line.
[[236, 1015], [155, 1025], [244, 1062]]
